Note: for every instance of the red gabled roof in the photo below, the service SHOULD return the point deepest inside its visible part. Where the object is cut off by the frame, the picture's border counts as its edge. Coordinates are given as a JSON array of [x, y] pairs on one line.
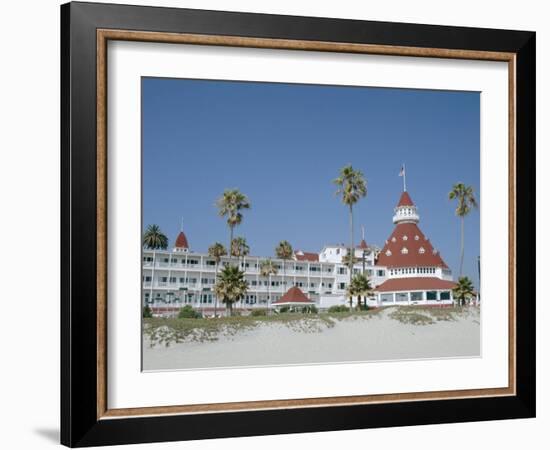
[[293, 295], [306, 256], [413, 257], [414, 284], [181, 241], [363, 245], [405, 200]]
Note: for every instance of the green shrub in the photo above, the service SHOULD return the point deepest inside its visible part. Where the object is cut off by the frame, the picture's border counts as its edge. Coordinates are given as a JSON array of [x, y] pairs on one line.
[[284, 309], [338, 309], [258, 312], [310, 309], [147, 313], [187, 312]]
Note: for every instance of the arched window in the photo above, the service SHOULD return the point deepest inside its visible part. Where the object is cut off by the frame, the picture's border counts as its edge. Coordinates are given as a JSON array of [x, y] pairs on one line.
[[404, 250], [421, 250]]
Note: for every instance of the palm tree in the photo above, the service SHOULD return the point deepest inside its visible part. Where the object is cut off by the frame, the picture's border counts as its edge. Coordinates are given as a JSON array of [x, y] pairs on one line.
[[284, 251], [239, 248], [346, 259], [267, 268], [230, 205], [360, 286], [216, 251], [154, 238], [466, 201], [463, 290], [352, 186], [230, 286]]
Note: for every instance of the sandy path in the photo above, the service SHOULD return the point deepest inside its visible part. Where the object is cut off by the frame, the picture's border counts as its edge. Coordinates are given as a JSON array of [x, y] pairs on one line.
[[362, 339]]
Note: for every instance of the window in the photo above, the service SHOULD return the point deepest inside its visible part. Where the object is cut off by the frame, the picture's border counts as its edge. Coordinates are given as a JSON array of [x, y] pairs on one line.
[[421, 250], [210, 263], [405, 238], [330, 285], [254, 282], [147, 279], [445, 295], [165, 260], [401, 297], [182, 280], [380, 273], [342, 270], [388, 252], [416, 296], [342, 286], [386, 298], [393, 239], [172, 279], [337, 251], [431, 295], [163, 279], [416, 238], [404, 250]]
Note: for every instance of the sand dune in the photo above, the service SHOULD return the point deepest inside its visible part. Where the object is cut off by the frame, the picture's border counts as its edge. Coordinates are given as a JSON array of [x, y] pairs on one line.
[[379, 337]]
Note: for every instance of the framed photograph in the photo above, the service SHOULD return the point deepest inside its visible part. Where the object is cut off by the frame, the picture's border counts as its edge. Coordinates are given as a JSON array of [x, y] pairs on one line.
[[276, 224]]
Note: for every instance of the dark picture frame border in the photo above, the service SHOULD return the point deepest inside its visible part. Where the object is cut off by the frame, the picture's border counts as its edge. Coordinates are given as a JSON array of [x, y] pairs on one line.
[[85, 29]]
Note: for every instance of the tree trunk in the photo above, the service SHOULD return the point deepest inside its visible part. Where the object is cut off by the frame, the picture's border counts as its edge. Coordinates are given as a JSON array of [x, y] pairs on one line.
[[216, 302], [230, 242], [268, 296], [230, 308], [351, 254], [461, 244]]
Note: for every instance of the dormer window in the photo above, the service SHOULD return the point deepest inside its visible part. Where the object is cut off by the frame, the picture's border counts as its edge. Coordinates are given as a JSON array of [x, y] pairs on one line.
[[388, 252], [405, 238], [404, 250], [416, 238], [434, 252], [421, 250], [393, 239]]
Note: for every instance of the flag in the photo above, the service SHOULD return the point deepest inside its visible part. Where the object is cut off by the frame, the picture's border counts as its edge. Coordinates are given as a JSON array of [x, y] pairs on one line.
[[402, 171]]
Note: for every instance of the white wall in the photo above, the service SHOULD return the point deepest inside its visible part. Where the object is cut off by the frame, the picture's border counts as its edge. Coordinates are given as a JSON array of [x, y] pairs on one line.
[[29, 173]]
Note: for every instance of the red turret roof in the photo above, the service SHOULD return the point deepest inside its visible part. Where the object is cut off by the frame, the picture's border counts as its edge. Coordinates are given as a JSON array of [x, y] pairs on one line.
[[408, 247], [293, 295], [181, 241], [405, 200], [414, 284], [363, 245]]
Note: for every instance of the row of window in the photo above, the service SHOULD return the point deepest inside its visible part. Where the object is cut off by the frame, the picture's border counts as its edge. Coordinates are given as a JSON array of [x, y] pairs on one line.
[[415, 296], [206, 281], [413, 270]]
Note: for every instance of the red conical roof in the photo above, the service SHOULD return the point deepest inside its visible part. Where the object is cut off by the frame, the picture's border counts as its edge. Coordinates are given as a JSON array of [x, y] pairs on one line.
[[363, 245], [293, 295], [408, 247], [181, 241], [405, 200]]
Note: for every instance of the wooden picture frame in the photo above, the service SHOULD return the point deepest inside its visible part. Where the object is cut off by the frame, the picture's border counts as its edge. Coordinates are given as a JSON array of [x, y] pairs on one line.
[[86, 418]]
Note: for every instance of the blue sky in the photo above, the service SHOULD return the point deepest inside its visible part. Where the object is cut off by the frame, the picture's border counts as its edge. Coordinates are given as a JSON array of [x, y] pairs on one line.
[[283, 144]]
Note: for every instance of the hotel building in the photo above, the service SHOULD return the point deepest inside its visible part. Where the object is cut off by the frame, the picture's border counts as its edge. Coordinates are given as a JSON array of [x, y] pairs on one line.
[[408, 270]]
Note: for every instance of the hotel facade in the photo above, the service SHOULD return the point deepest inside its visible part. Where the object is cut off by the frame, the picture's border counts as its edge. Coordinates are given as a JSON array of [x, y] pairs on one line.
[[407, 270]]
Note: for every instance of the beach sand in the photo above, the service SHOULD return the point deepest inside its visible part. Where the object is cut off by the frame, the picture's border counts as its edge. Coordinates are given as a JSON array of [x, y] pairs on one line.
[[375, 338]]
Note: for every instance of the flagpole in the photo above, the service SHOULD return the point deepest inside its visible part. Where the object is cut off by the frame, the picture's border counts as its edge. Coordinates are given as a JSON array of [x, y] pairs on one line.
[[404, 178]]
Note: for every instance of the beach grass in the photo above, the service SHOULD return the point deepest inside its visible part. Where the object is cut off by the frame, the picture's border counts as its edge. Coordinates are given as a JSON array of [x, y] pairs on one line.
[[164, 331]]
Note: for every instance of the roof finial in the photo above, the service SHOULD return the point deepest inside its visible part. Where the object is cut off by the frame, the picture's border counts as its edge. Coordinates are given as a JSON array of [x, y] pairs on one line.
[[403, 174], [363, 232]]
